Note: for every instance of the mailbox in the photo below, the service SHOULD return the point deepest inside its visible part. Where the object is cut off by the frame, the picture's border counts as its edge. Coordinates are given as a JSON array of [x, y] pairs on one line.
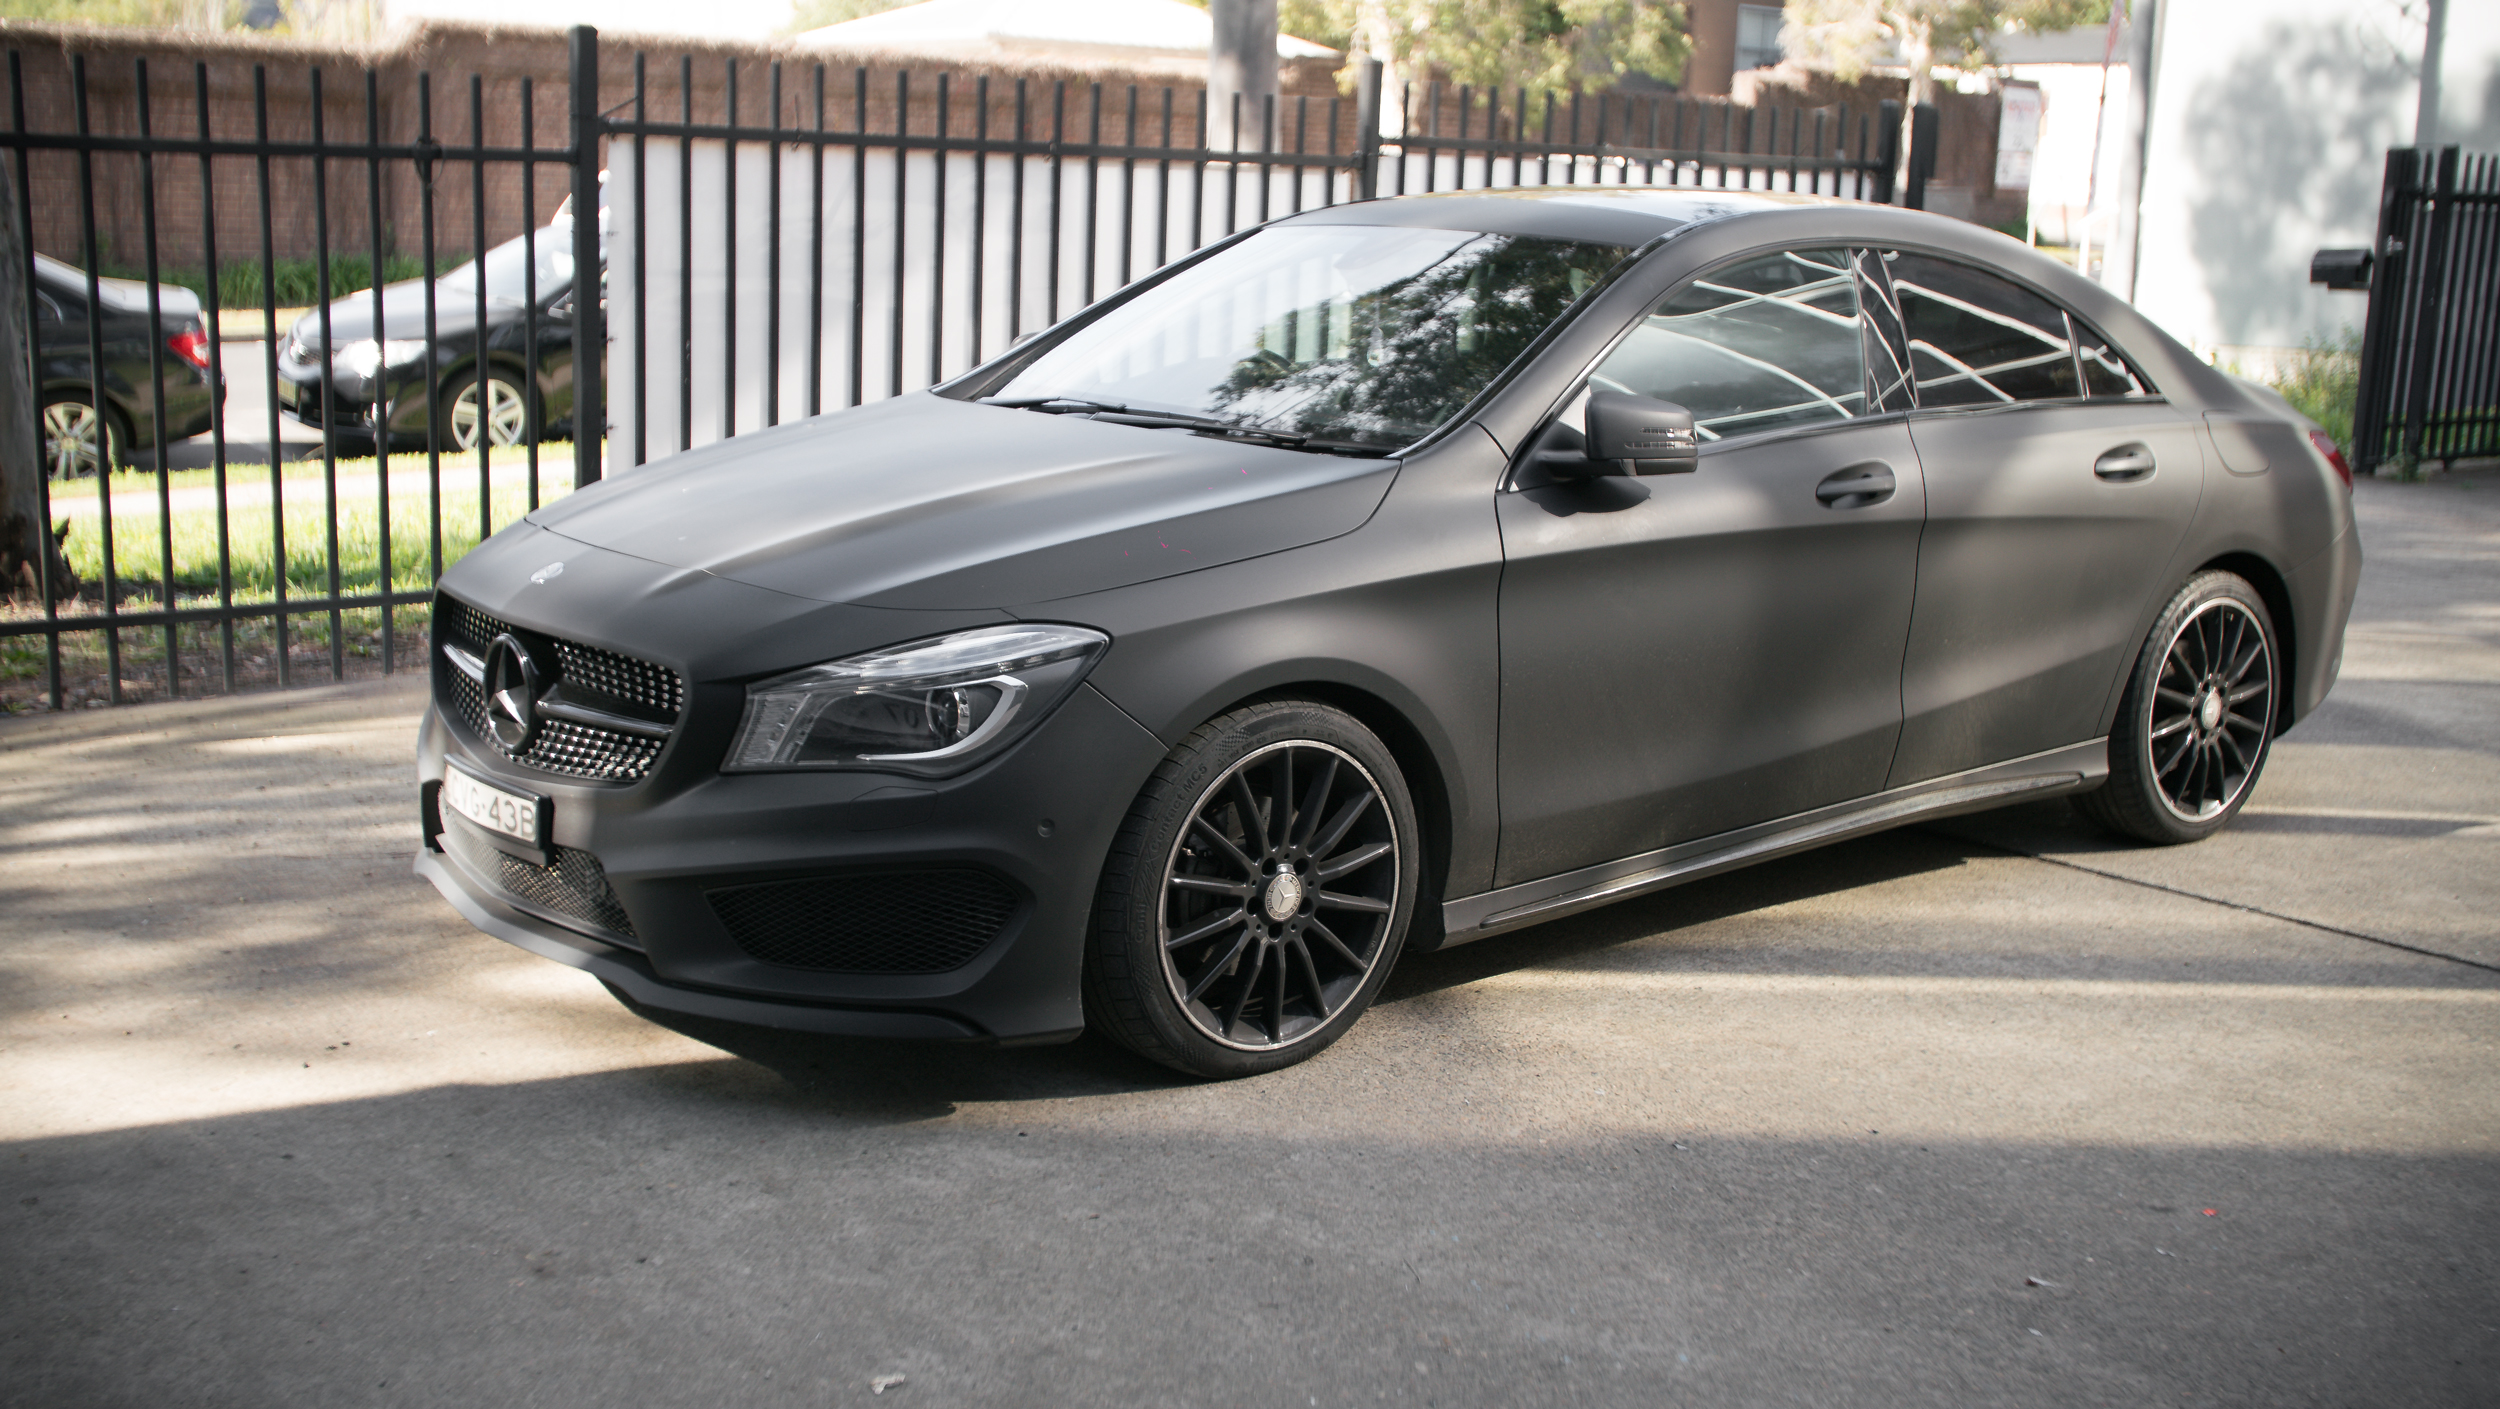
[[2340, 269]]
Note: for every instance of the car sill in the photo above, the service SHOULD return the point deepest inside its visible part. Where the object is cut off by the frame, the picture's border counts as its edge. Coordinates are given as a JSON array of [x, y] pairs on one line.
[[2059, 770]]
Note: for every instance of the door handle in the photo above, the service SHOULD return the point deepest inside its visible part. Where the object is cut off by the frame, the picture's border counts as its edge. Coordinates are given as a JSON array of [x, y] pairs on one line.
[[2124, 463], [1857, 486]]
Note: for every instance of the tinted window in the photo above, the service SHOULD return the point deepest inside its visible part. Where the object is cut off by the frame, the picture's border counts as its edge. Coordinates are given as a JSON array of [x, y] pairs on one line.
[[1758, 346], [2105, 373], [1976, 339], [1366, 333]]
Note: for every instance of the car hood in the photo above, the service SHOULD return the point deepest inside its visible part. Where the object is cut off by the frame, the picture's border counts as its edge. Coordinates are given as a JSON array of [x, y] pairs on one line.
[[403, 313], [928, 503]]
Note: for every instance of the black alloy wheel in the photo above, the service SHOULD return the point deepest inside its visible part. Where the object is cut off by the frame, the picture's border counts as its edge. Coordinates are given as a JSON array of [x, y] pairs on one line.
[[1258, 896], [2197, 719]]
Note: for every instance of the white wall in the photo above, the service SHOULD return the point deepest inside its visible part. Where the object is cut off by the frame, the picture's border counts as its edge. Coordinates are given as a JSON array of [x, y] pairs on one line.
[[2269, 131]]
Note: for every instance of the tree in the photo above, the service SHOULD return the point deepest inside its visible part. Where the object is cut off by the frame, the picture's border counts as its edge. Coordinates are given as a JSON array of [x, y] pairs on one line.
[[1848, 37], [26, 541], [1541, 44]]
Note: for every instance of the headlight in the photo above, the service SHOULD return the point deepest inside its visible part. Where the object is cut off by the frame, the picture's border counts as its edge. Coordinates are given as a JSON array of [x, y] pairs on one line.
[[932, 707], [366, 357]]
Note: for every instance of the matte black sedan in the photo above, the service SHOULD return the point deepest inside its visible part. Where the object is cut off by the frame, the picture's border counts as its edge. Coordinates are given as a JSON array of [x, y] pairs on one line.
[[1381, 579], [505, 378], [138, 345]]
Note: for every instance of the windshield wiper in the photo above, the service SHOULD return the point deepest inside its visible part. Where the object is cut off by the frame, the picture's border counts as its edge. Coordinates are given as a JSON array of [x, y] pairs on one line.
[[1120, 414]]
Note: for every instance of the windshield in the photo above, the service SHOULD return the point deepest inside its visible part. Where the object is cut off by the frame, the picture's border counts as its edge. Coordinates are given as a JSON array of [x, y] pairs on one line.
[[507, 267], [1367, 334]]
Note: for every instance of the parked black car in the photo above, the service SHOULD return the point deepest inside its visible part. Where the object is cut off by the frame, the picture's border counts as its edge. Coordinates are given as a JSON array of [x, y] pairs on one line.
[[134, 345], [1380, 579], [485, 379]]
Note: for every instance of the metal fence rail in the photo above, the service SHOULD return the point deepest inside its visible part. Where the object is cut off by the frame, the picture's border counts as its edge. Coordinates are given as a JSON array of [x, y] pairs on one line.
[[814, 243], [2430, 349]]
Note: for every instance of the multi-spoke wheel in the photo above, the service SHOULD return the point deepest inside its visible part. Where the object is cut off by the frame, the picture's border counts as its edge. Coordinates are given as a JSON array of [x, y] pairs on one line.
[[1258, 895], [493, 406], [2197, 718], [72, 431]]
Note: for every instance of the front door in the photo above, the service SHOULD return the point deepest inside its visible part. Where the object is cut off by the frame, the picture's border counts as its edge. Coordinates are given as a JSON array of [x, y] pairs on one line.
[[1684, 654]]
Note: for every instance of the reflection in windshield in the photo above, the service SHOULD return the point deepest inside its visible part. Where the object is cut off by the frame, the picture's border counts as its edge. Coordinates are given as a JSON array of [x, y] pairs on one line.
[[1361, 333], [507, 267]]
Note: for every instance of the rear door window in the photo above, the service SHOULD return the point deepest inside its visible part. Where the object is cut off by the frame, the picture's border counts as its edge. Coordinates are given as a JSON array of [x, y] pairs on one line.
[[1767, 344], [1977, 339]]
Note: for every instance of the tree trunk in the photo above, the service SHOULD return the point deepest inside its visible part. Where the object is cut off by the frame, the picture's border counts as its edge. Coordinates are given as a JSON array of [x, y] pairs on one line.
[[1918, 50], [27, 544]]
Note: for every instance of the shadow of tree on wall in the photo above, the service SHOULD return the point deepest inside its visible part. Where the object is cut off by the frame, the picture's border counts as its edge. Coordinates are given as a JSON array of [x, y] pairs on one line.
[[2299, 122]]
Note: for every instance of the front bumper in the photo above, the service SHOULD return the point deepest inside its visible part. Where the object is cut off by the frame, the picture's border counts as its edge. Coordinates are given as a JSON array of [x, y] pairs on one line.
[[1041, 818]]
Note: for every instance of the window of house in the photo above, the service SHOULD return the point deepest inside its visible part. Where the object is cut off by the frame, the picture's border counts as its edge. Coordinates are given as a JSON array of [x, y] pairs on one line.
[[1757, 36]]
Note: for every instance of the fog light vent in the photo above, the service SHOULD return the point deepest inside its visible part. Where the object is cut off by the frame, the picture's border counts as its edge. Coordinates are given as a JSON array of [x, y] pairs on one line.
[[899, 922], [576, 886]]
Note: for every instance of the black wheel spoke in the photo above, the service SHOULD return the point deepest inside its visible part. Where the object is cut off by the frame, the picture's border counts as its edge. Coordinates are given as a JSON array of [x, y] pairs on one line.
[[1280, 798], [1246, 812], [1211, 885], [1313, 800], [1308, 972], [1249, 985], [1352, 861], [1276, 1000], [1217, 969], [1220, 922], [1339, 825], [1223, 843], [1363, 903], [1328, 937]]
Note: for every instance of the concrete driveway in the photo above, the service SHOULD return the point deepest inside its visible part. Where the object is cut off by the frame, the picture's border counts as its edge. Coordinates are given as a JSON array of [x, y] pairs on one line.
[[1991, 1112]]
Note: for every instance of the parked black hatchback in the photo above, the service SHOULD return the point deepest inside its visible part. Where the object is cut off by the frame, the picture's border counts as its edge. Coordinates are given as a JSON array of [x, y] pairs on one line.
[[73, 324], [1380, 579]]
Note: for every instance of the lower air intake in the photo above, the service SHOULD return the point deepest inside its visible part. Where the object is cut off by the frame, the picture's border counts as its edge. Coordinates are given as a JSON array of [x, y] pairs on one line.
[[576, 886], [905, 922]]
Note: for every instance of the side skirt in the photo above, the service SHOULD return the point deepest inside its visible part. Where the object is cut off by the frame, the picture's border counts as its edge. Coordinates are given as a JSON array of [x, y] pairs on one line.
[[2061, 770]]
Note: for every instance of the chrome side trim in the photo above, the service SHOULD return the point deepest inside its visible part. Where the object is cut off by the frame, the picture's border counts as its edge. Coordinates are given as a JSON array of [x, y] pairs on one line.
[[554, 706], [2059, 770]]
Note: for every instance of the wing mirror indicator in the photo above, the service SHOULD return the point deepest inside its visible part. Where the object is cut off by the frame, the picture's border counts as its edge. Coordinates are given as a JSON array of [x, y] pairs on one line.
[[1641, 435]]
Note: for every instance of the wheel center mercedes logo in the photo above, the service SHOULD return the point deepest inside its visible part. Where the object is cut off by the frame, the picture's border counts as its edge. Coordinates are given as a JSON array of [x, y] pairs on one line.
[[1284, 896], [511, 694]]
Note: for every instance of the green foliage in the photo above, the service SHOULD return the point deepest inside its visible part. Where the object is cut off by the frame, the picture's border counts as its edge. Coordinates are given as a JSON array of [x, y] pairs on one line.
[[296, 282], [2323, 382], [1849, 36], [1542, 44]]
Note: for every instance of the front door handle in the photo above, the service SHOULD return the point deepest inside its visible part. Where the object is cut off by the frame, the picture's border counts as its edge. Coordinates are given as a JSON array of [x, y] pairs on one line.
[[1857, 486], [2124, 463]]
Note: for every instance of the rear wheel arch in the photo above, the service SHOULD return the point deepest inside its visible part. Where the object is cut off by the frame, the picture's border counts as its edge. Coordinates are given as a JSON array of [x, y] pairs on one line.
[[2277, 596]]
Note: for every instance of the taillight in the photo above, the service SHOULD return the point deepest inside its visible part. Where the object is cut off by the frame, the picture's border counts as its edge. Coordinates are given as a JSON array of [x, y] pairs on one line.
[[191, 347], [2335, 457]]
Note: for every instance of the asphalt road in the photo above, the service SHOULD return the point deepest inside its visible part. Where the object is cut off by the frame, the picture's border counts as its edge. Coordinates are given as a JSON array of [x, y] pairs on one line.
[[1989, 1112]]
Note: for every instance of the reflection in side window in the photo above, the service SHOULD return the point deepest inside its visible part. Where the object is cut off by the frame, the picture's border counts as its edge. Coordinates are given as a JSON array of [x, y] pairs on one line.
[[1978, 340], [2105, 373], [1759, 346]]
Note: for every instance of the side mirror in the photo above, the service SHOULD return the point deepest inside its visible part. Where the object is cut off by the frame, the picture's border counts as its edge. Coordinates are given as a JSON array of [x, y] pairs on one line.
[[1644, 435]]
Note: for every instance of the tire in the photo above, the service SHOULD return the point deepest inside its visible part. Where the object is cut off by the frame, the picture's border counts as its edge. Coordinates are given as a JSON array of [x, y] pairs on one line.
[[2197, 719], [69, 437], [1203, 955], [511, 419]]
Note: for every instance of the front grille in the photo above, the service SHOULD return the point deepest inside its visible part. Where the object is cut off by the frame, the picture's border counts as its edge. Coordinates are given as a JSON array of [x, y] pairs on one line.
[[562, 747], [908, 922], [576, 885]]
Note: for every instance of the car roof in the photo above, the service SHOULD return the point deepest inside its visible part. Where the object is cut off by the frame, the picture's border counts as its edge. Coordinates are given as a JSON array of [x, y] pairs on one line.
[[1625, 214]]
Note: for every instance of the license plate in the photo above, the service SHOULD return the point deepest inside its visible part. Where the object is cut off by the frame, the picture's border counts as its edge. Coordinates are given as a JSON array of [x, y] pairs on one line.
[[519, 816], [286, 391]]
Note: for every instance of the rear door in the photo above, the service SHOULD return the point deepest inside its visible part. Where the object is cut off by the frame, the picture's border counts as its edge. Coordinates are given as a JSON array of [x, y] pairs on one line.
[[1684, 654], [2058, 490]]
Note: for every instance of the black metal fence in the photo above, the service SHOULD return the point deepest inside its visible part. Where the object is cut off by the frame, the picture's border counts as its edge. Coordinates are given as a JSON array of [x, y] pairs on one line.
[[825, 246], [2430, 350]]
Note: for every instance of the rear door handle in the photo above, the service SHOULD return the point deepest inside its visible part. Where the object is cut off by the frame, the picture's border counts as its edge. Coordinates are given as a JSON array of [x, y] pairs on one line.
[[1857, 486], [2125, 462]]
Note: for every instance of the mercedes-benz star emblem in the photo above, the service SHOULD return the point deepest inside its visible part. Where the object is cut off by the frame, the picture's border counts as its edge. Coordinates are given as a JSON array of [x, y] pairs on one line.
[[550, 570], [511, 694]]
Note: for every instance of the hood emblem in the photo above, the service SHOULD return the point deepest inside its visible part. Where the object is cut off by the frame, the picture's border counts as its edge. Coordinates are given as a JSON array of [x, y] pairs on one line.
[[550, 570], [512, 685]]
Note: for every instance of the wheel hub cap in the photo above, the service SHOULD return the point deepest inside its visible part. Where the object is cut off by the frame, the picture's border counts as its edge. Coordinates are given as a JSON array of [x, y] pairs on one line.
[[2209, 712], [1284, 896]]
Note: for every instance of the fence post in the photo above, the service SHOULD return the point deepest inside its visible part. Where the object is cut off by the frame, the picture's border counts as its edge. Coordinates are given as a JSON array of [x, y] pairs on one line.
[[2430, 308], [2388, 286], [590, 349], [1367, 130], [1887, 149], [1923, 134]]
